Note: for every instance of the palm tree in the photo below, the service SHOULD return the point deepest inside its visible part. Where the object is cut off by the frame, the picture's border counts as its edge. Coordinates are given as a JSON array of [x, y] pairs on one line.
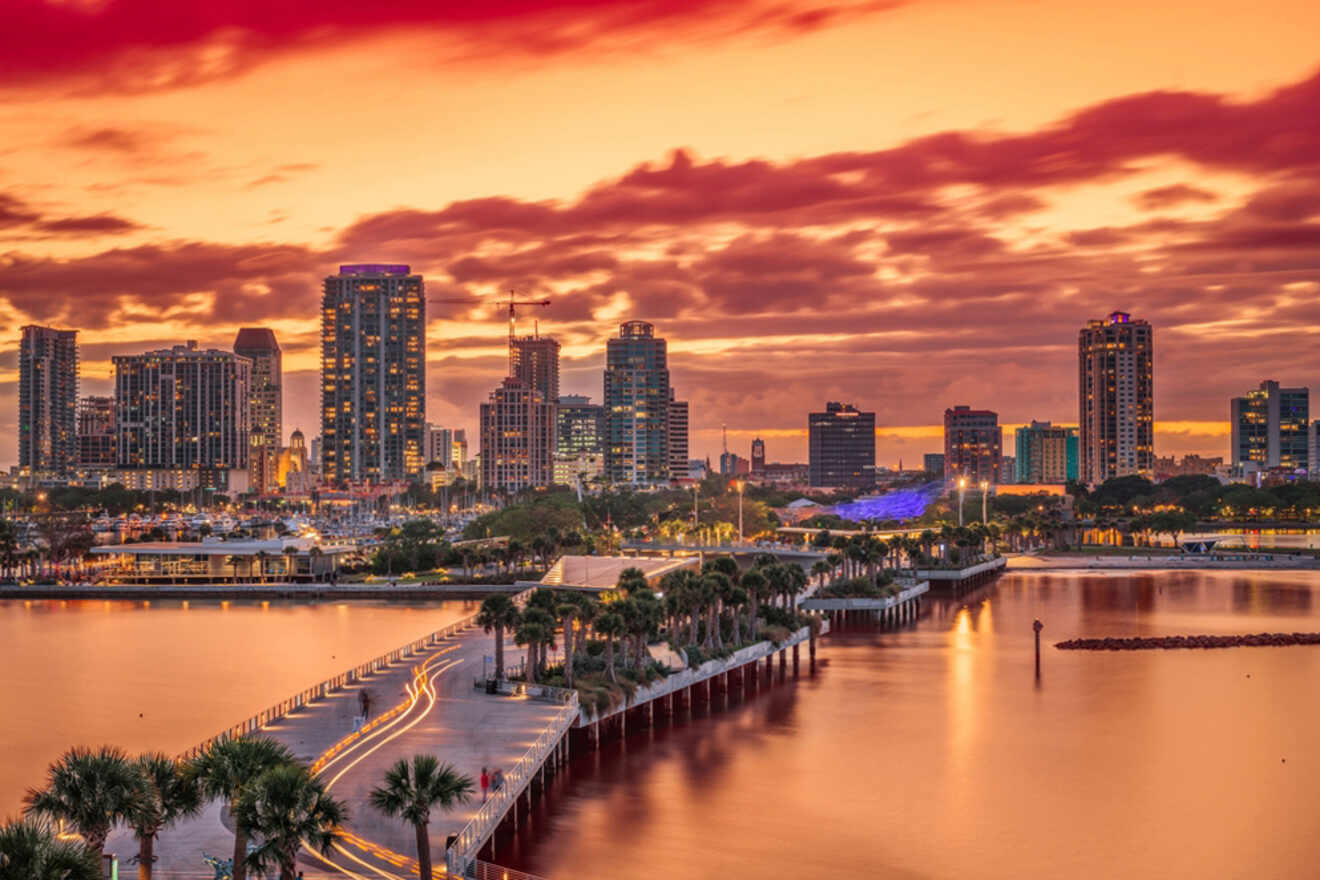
[[568, 612], [31, 851], [89, 789], [412, 789], [610, 625], [753, 581], [285, 807], [227, 769], [820, 569], [497, 614], [165, 795]]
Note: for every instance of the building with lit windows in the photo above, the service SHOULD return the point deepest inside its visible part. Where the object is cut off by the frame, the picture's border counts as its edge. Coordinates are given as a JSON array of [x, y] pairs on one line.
[[637, 407], [534, 361], [517, 438], [758, 455], [96, 432], [581, 426], [47, 400], [841, 447], [183, 409], [1116, 398], [266, 407], [973, 445], [1045, 453], [1269, 427], [373, 374], [678, 438]]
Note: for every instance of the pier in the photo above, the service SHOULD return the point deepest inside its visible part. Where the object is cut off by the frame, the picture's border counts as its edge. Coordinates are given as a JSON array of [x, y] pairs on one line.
[[891, 610], [957, 581]]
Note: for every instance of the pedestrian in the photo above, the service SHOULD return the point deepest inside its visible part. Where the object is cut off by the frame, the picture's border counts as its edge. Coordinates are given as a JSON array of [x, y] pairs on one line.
[[498, 780], [485, 783]]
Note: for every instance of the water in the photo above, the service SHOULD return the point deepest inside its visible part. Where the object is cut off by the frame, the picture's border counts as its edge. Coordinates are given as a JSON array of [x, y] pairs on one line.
[[166, 675], [935, 752]]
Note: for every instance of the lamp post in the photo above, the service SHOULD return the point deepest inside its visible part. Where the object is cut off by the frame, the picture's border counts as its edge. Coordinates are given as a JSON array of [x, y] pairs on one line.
[[738, 484], [962, 487], [985, 489]]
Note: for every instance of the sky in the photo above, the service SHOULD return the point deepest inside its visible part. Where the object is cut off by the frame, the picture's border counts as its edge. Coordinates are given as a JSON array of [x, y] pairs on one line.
[[901, 205]]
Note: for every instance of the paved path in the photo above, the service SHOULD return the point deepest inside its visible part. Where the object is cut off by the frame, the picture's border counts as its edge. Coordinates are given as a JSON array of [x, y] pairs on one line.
[[441, 713]]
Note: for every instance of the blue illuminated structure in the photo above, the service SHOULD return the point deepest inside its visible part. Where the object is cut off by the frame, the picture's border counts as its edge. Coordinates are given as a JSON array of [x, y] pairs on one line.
[[900, 504]]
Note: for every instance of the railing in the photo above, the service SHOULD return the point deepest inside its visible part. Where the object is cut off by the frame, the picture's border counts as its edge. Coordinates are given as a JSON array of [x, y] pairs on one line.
[[464, 849], [487, 871], [334, 683]]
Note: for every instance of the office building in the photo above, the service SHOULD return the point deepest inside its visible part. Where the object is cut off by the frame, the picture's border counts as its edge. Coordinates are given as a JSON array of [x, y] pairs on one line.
[[841, 447], [678, 438], [517, 438], [183, 409], [373, 374], [933, 463], [534, 361], [1269, 427], [47, 400], [758, 456], [1045, 453], [1116, 398], [581, 426], [973, 445], [439, 445], [266, 408], [637, 398], [96, 432]]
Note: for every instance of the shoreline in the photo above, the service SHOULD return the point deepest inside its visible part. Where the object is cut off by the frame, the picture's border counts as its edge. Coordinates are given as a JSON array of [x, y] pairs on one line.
[[260, 591], [1082, 562]]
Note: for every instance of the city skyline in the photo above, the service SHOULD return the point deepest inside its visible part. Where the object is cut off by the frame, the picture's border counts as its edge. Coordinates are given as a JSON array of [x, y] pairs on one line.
[[940, 247]]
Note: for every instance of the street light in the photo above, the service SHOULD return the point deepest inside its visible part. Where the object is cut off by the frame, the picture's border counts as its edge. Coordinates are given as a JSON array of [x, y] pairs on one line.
[[985, 488], [962, 486], [738, 484]]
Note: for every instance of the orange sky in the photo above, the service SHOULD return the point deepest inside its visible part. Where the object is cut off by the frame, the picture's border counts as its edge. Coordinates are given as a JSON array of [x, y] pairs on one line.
[[902, 205]]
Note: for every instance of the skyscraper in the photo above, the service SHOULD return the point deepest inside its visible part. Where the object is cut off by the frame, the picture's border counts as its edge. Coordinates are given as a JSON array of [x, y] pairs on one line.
[[439, 446], [841, 447], [96, 432], [266, 409], [183, 408], [581, 426], [1116, 399], [1269, 427], [973, 444], [517, 438], [758, 456], [678, 438], [637, 407], [47, 399], [373, 374], [534, 360], [1045, 453]]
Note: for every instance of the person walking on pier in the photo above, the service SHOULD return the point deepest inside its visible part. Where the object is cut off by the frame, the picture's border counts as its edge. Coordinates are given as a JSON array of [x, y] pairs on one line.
[[485, 784]]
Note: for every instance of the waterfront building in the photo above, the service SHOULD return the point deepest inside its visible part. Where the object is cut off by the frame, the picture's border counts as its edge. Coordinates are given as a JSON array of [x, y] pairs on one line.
[[1116, 398], [841, 447], [1045, 453], [636, 384], [373, 374], [183, 408], [266, 391], [96, 432], [933, 463], [580, 426], [534, 360], [517, 438], [47, 400], [678, 438], [973, 445], [1269, 427], [213, 561], [758, 455]]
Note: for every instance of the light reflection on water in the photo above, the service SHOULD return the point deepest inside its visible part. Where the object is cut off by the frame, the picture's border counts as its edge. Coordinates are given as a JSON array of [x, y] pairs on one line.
[[165, 675], [932, 752]]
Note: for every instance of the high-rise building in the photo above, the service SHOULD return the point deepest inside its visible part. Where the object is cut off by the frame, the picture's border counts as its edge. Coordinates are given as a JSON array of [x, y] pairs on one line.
[[439, 446], [1269, 427], [266, 409], [637, 407], [933, 463], [373, 374], [534, 361], [1045, 453], [96, 432], [581, 425], [758, 456], [263, 464], [973, 445], [678, 438], [47, 399], [460, 448], [183, 408], [517, 438], [1313, 450], [841, 447], [1007, 469], [1116, 399]]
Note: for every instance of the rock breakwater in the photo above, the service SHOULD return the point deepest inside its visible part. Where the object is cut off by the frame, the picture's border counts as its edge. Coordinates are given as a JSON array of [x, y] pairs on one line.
[[1138, 643]]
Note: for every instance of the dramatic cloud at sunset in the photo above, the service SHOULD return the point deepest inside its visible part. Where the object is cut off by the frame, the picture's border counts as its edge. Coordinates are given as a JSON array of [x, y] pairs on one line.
[[902, 205]]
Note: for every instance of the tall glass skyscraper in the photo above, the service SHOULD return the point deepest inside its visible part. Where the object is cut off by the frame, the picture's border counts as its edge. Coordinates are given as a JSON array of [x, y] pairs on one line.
[[1116, 398], [1270, 427], [266, 411], [47, 399], [637, 407], [373, 374], [841, 447]]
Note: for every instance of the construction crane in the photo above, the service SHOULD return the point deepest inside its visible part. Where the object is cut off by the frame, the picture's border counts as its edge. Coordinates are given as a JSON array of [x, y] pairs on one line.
[[511, 304]]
